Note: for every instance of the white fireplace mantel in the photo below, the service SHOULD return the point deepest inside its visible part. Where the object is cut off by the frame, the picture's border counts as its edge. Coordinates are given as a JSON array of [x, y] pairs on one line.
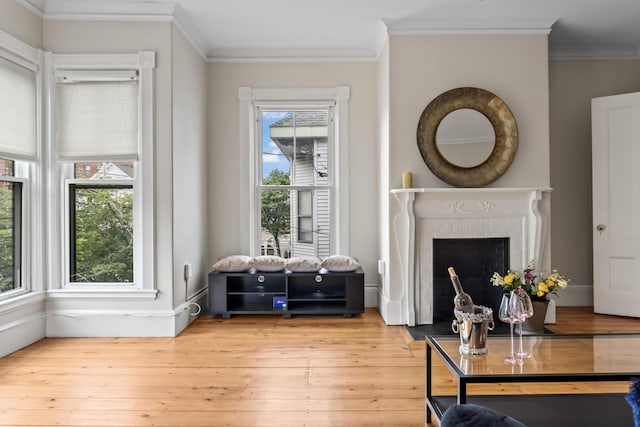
[[434, 213]]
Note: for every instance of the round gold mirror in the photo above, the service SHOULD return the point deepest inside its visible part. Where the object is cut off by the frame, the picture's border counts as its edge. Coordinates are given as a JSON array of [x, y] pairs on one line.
[[449, 147]]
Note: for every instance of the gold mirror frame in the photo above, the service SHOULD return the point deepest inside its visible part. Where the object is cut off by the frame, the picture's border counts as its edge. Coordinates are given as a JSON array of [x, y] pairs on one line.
[[504, 127]]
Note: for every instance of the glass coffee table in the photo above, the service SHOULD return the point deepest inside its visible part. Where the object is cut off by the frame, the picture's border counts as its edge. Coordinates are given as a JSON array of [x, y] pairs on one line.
[[554, 359]]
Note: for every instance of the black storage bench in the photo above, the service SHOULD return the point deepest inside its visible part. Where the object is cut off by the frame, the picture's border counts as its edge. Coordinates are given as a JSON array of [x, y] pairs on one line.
[[286, 292]]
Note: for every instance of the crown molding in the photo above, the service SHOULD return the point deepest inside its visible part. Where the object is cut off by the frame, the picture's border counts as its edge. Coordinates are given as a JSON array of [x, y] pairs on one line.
[[100, 10], [291, 55], [504, 25], [63, 9], [34, 6], [595, 53], [469, 31]]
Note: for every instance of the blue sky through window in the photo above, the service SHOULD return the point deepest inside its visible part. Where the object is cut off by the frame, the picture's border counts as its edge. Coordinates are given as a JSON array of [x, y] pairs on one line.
[[272, 157]]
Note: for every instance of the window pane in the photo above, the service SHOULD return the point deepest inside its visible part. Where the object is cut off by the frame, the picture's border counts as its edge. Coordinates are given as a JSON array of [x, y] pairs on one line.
[[104, 170], [102, 234], [286, 233], [297, 142], [10, 232], [275, 218], [7, 167], [315, 230], [273, 158]]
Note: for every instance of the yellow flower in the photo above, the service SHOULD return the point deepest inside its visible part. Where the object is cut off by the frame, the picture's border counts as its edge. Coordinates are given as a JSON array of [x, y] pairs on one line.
[[509, 278], [542, 287], [540, 293]]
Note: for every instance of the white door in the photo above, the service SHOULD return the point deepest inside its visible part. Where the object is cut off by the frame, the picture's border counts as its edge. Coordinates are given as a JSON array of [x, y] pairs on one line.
[[616, 204]]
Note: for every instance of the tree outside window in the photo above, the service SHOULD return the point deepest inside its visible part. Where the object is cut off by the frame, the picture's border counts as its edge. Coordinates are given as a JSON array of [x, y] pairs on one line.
[[10, 228], [102, 224]]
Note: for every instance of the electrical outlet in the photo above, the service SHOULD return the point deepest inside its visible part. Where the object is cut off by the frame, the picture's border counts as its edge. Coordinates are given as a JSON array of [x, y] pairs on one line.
[[187, 271]]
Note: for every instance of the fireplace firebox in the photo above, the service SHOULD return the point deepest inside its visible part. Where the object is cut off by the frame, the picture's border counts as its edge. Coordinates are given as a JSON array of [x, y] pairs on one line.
[[475, 260]]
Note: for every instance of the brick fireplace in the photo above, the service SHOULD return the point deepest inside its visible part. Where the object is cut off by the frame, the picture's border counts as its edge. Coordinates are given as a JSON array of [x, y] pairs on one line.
[[515, 216]]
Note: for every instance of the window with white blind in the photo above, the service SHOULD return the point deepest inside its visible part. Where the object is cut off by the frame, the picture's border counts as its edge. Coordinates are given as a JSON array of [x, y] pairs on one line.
[[19, 119], [103, 152]]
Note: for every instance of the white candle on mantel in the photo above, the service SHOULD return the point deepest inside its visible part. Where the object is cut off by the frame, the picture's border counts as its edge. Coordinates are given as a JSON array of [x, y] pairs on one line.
[[407, 180]]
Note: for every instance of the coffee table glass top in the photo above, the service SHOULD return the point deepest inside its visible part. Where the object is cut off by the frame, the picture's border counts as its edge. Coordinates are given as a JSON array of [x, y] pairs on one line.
[[587, 355]]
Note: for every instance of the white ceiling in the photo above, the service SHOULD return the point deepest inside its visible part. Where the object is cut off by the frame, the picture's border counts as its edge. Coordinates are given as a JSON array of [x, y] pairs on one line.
[[356, 29]]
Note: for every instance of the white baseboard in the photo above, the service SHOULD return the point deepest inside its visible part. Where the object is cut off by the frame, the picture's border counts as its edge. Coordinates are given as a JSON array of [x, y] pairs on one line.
[[125, 323], [22, 322], [17, 335], [371, 295], [391, 311], [191, 310], [575, 295], [112, 323]]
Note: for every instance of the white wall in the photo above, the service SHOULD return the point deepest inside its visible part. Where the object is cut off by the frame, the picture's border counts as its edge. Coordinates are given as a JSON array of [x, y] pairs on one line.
[[572, 85], [225, 153], [21, 23], [514, 67], [189, 79]]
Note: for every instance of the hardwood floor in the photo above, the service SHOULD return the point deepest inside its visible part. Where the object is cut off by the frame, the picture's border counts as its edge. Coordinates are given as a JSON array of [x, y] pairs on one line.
[[245, 371]]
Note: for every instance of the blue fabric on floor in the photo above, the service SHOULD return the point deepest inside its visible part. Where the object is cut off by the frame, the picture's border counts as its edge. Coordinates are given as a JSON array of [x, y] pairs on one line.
[[633, 398]]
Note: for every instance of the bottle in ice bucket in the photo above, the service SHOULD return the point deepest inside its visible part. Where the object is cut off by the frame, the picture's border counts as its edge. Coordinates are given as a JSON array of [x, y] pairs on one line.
[[462, 300]]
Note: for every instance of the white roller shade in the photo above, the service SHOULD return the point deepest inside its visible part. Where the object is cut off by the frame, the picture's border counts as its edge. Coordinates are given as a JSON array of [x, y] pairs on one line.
[[97, 119], [18, 119]]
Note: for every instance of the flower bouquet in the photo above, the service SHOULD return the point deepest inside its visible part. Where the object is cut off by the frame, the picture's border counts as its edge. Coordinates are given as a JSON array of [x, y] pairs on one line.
[[538, 287]]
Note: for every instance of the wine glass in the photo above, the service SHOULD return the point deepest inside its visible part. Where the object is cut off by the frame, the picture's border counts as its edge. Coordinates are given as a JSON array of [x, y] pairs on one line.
[[525, 312], [518, 313], [505, 315]]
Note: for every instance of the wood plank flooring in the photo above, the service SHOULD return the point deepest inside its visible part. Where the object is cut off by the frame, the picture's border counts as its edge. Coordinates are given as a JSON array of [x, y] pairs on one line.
[[246, 371]]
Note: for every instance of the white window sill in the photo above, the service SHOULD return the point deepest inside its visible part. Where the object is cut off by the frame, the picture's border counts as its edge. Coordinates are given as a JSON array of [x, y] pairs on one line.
[[103, 294], [19, 301]]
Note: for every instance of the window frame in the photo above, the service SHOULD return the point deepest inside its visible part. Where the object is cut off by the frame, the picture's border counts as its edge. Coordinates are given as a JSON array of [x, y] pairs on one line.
[[338, 158], [27, 173], [143, 285]]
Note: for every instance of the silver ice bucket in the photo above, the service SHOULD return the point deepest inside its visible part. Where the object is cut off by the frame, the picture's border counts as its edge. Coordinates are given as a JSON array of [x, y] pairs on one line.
[[473, 329]]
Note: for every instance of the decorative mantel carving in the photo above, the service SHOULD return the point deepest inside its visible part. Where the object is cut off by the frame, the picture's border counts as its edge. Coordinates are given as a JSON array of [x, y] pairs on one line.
[[428, 214]]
